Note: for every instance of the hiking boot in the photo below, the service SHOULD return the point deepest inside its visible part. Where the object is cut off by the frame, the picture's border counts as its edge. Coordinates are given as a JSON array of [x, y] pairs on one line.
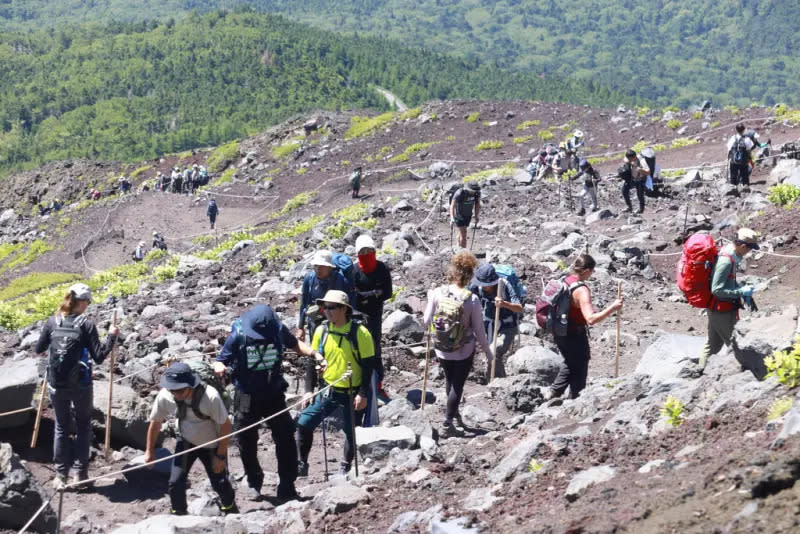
[[78, 480], [701, 363], [253, 494], [173, 511], [581, 212], [595, 208], [287, 493], [627, 210], [60, 482], [230, 509], [302, 469], [344, 468], [449, 430]]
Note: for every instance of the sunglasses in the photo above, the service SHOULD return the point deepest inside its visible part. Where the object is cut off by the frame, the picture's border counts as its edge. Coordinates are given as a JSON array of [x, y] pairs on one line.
[[332, 307]]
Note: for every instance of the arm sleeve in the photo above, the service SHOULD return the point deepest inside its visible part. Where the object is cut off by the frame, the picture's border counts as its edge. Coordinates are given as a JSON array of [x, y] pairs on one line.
[[226, 355], [366, 349], [510, 294], [215, 406], [386, 285], [98, 351], [476, 318], [161, 409], [305, 295], [721, 273], [44, 337]]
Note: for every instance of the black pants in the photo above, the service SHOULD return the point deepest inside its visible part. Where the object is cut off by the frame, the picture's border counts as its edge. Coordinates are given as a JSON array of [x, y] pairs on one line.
[[740, 174], [282, 428], [314, 415], [575, 350], [374, 325], [181, 465], [455, 374], [626, 192]]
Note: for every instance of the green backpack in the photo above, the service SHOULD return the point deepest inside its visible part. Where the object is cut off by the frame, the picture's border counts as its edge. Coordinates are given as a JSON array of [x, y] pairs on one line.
[[208, 378], [449, 333]]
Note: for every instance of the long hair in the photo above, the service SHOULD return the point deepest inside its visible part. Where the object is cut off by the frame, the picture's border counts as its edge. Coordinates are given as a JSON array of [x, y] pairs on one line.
[[462, 267], [583, 263], [69, 304]]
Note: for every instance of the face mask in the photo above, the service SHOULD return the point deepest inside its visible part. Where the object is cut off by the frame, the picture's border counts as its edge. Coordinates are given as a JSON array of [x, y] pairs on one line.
[[367, 262]]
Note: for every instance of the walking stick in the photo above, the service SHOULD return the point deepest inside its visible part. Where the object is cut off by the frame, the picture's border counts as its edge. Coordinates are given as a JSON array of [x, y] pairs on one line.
[[110, 393], [324, 439], [451, 235], [496, 329], [352, 415], [475, 227], [619, 320], [425, 378], [39, 411]]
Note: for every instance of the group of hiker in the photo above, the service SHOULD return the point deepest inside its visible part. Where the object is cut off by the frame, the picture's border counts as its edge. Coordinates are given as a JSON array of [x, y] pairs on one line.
[[158, 244], [186, 181]]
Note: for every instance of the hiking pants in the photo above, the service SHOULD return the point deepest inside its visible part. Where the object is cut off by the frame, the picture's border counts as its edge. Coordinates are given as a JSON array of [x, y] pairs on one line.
[[455, 374], [323, 406], [374, 324], [212, 219], [181, 465], [626, 192], [282, 428], [589, 192], [65, 401], [575, 350], [720, 330], [505, 338], [739, 174]]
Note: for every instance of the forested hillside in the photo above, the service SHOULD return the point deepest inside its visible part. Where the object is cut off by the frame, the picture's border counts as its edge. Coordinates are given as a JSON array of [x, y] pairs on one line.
[[133, 90], [670, 51]]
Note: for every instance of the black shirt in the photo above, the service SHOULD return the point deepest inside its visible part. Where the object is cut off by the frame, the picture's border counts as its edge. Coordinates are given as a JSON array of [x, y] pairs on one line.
[[380, 279]]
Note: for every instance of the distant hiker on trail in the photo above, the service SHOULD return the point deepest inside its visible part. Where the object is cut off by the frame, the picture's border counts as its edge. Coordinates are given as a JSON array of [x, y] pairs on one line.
[[355, 181], [212, 212], [315, 284], [252, 354], [455, 319], [724, 309], [72, 339], [95, 194], [590, 180], [536, 163], [739, 147], [176, 180], [139, 253], [55, 205], [158, 242], [373, 286], [202, 417], [633, 177], [574, 144], [187, 179], [574, 346], [342, 342], [158, 186], [484, 285], [547, 169], [124, 185], [466, 201], [194, 181]]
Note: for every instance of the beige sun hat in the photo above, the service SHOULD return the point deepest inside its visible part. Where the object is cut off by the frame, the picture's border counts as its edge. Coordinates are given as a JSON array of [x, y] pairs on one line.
[[323, 258], [748, 237], [334, 296]]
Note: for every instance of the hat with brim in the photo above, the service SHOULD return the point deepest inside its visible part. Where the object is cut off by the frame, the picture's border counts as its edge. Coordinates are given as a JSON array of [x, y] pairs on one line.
[[334, 296], [80, 291], [748, 237], [256, 320], [485, 276], [178, 376], [322, 258]]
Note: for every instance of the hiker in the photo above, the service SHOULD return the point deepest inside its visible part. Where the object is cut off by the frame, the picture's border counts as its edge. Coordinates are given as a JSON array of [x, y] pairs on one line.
[[72, 339], [547, 169], [574, 347], [647, 161], [536, 163], [466, 201], [194, 180], [212, 212], [484, 285], [175, 180], [454, 315], [342, 343], [252, 354], [315, 284], [633, 177], [590, 180], [139, 253], [55, 205], [739, 147], [372, 283], [727, 293], [124, 185], [158, 242], [199, 421], [187, 179], [157, 185], [574, 143], [355, 181], [95, 194]]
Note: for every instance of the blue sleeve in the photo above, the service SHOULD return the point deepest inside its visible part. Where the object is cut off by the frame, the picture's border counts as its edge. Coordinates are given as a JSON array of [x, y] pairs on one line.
[[510, 294], [347, 284], [287, 338], [305, 297], [226, 355]]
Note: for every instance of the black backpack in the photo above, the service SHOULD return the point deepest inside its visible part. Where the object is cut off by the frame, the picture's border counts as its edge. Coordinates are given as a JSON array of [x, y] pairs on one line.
[[66, 349], [351, 336], [739, 153]]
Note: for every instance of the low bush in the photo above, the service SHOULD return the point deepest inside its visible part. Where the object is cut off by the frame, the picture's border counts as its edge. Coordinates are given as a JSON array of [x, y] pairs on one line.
[[673, 411], [222, 156], [783, 195], [784, 365], [488, 145]]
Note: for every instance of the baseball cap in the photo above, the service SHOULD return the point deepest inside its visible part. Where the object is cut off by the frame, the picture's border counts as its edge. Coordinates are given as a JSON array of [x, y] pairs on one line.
[[178, 376], [748, 237], [81, 291]]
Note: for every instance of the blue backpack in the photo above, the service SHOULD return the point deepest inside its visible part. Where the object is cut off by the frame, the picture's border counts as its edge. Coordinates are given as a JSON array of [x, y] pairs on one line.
[[510, 276], [344, 264]]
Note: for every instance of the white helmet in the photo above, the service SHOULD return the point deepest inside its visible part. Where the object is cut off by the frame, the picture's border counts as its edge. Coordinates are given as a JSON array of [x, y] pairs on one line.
[[578, 134]]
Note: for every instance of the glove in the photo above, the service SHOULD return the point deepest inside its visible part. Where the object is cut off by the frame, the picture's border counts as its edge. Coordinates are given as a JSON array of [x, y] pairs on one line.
[[747, 291]]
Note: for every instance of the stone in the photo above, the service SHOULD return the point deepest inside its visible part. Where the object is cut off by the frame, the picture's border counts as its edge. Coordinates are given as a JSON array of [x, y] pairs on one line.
[[399, 323], [274, 286], [439, 169], [376, 441], [155, 476], [598, 215], [522, 177], [480, 500], [281, 520], [170, 524], [406, 520], [176, 340], [21, 496], [418, 476], [649, 466], [563, 228], [587, 478], [668, 355], [458, 525], [784, 170], [19, 381], [535, 360], [518, 458], [568, 246], [241, 245], [7, 216], [403, 205], [757, 337], [129, 414], [395, 241], [150, 311], [338, 499], [691, 180]]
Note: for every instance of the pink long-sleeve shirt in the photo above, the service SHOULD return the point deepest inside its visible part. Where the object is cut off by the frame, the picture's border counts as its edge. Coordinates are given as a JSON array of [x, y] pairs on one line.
[[472, 318]]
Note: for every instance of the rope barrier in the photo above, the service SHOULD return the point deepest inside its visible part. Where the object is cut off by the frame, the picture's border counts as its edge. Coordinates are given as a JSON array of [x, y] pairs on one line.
[[21, 410], [39, 511]]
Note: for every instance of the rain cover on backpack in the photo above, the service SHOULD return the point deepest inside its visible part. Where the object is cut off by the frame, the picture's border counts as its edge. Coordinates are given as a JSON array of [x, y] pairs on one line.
[[449, 332], [695, 269]]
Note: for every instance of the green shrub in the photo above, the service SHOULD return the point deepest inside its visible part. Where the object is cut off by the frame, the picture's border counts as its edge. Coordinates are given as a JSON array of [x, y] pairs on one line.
[[506, 170], [715, 124], [488, 145], [286, 149], [673, 411], [165, 272], [450, 138], [683, 142], [673, 109], [412, 113], [527, 124], [733, 109], [361, 126], [33, 251], [674, 124], [783, 194], [779, 406], [34, 282], [639, 146], [473, 117], [642, 111], [255, 267], [222, 156], [412, 149], [535, 466], [545, 135], [199, 240], [225, 178], [523, 139], [781, 109], [299, 200], [7, 249], [157, 253], [785, 365], [302, 170], [697, 115], [276, 252]]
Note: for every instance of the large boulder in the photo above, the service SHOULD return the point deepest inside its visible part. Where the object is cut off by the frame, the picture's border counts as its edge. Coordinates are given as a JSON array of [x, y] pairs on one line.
[[568, 246], [539, 361], [129, 414], [589, 477], [376, 441], [786, 169], [399, 323], [668, 356], [170, 524], [338, 499], [758, 337], [21, 496], [518, 459], [18, 383]]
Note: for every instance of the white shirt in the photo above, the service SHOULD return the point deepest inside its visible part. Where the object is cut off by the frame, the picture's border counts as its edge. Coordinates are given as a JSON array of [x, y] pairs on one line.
[[747, 142], [192, 428]]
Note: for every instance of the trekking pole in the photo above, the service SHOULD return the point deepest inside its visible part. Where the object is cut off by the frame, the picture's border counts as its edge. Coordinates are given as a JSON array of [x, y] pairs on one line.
[[324, 437], [685, 218], [352, 415], [451, 236], [39, 411], [475, 227], [425, 377], [619, 321], [496, 329], [110, 393]]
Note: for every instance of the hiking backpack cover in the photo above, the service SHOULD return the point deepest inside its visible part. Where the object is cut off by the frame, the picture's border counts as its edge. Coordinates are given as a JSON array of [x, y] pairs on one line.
[[739, 153], [64, 367], [344, 264], [694, 272], [449, 333], [552, 306]]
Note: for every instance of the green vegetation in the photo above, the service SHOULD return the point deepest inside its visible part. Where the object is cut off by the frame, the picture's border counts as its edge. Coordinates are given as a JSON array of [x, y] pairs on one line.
[[34, 282], [361, 126], [450, 138], [473, 117], [286, 149], [225, 178], [222, 156], [32, 251], [506, 170], [783, 194], [697, 115], [302, 170], [412, 149], [779, 406], [673, 411], [534, 466], [523, 139], [545, 135], [527, 124], [140, 170], [784, 365], [488, 145], [681, 142], [297, 201], [733, 109], [673, 109], [674, 124], [7, 249], [412, 113], [396, 291]]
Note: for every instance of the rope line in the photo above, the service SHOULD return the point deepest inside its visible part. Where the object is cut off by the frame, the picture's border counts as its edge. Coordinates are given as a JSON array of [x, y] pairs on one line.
[[21, 410]]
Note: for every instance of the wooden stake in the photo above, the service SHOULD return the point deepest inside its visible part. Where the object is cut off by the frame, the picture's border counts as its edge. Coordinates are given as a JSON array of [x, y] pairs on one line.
[[110, 394], [35, 436], [425, 378], [619, 321], [496, 329]]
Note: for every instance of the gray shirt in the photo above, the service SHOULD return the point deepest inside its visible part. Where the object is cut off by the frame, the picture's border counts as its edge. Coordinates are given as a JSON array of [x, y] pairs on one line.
[[193, 429]]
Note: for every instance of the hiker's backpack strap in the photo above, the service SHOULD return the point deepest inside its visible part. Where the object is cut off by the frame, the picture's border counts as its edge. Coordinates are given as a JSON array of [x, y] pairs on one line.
[[197, 397]]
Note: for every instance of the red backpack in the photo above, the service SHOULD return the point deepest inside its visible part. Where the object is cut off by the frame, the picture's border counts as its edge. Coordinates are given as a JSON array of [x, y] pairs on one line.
[[694, 272]]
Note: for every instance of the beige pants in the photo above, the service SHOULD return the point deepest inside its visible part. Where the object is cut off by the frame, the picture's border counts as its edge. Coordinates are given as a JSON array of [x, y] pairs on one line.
[[720, 331]]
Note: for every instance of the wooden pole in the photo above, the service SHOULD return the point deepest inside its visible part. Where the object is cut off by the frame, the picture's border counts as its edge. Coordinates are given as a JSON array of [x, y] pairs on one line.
[[619, 321], [35, 436], [496, 329], [425, 377], [110, 394]]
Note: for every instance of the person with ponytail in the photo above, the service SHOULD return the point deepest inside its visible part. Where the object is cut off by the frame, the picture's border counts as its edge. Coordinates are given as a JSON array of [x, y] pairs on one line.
[[373, 286]]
